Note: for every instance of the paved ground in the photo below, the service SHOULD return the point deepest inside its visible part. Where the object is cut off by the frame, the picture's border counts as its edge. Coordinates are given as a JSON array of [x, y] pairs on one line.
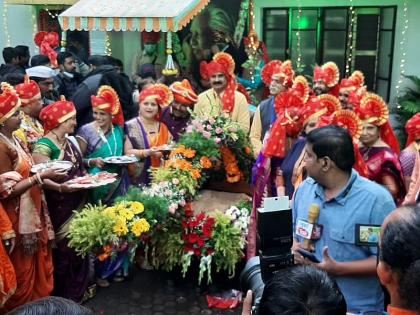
[[158, 293]]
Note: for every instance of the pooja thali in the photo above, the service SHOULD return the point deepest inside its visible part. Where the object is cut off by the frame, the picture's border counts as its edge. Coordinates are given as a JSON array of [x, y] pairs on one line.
[[57, 165], [92, 180], [124, 159]]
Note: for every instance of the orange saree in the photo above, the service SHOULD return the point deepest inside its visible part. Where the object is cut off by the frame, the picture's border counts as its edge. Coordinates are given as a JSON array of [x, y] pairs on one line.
[[140, 140], [31, 222], [7, 272]]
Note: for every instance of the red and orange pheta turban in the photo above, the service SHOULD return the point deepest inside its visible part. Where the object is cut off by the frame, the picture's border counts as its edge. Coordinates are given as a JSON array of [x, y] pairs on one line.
[[349, 120], [282, 70], [373, 110], [56, 113], [27, 90], [222, 63], [106, 99], [47, 42], [183, 93], [9, 102], [413, 128], [328, 73], [160, 93]]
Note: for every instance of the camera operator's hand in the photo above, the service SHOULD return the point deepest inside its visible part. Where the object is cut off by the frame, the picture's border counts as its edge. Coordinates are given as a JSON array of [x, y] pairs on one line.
[[328, 264], [247, 306]]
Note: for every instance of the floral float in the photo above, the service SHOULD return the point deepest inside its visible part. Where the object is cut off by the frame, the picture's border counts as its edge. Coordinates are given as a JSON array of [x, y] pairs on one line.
[[159, 217]]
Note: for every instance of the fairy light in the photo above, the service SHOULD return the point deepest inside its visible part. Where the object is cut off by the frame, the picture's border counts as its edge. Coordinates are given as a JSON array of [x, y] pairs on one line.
[[403, 48], [298, 37], [108, 50], [350, 42], [6, 24], [52, 15], [34, 27]]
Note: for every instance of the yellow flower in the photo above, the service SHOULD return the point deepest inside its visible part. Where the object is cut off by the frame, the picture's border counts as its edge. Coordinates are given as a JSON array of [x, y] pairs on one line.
[[127, 214], [137, 207], [110, 211], [121, 227], [140, 226], [120, 207]]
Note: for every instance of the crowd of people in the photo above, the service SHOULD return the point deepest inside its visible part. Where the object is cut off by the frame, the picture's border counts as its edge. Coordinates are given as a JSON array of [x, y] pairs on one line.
[[330, 144]]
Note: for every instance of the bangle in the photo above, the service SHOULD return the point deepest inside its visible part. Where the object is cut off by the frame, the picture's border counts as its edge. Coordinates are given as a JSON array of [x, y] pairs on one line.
[[38, 178], [88, 162], [30, 181]]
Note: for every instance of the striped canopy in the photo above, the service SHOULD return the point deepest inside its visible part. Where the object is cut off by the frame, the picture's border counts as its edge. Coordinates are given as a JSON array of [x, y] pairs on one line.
[[130, 15], [39, 2]]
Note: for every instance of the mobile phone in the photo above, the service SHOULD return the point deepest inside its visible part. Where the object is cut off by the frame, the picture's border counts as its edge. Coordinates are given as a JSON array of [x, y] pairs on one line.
[[308, 255]]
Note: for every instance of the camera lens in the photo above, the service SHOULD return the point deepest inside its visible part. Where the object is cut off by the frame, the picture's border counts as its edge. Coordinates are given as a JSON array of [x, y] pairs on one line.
[[251, 279]]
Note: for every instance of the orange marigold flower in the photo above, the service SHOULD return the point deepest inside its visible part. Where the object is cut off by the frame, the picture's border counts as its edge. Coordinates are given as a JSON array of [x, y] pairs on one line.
[[195, 173], [189, 153], [248, 150], [205, 162]]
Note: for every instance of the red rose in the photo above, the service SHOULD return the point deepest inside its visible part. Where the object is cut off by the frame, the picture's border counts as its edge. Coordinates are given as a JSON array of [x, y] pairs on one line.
[[197, 252], [207, 231], [200, 217], [201, 241], [210, 251], [193, 238]]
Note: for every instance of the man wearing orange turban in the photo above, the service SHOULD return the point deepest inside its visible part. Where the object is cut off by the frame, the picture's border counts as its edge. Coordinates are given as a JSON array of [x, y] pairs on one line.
[[177, 116], [31, 129], [222, 97]]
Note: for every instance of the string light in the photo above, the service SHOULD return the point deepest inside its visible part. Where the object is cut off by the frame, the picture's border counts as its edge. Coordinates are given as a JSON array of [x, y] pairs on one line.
[[52, 15], [350, 39], [108, 50], [34, 27], [6, 24], [298, 37], [403, 48]]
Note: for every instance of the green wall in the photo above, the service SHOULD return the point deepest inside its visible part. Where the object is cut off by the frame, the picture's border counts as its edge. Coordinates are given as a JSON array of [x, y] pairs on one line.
[[412, 47]]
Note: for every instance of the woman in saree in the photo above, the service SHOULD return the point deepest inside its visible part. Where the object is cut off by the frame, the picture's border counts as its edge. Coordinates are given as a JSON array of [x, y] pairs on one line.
[[71, 271], [145, 135], [380, 147], [408, 155], [7, 244], [25, 206], [102, 138]]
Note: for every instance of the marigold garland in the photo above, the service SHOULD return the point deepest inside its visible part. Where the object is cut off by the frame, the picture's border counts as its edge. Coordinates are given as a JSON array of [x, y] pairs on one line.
[[233, 174]]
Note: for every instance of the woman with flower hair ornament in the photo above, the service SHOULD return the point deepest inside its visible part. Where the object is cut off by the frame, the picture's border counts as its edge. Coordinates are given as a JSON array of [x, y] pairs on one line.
[[146, 135]]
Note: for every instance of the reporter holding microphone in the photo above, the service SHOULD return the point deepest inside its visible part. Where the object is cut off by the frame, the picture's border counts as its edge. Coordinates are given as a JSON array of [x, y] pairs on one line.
[[345, 199]]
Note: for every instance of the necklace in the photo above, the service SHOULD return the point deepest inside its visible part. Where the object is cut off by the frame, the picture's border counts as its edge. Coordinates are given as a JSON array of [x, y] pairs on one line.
[[366, 154], [61, 142], [105, 140]]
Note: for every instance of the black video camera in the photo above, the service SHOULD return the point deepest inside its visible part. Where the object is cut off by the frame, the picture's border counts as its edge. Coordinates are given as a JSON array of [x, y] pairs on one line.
[[274, 240]]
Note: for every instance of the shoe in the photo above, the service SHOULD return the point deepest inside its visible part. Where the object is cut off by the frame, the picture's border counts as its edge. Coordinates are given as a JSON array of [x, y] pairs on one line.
[[103, 283]]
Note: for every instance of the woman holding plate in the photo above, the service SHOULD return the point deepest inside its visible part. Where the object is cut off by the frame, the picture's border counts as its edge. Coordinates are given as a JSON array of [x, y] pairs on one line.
[[104, 138], [71, 271], [146, 136], [28, 238]]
